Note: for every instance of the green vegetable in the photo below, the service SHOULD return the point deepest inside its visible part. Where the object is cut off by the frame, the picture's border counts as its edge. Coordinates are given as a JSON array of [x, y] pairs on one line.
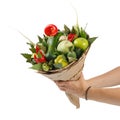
[[65, 46], [81, 43], [60, 61], [57, 49], [71, 56], [45, 67], [52, 43]]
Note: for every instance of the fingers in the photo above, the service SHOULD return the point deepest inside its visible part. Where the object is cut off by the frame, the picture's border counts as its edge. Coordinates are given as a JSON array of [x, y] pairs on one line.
[[63, 85], [60, 83]]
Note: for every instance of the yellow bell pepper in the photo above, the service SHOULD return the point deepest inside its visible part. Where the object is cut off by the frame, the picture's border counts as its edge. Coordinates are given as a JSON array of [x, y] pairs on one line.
[[60, 61]]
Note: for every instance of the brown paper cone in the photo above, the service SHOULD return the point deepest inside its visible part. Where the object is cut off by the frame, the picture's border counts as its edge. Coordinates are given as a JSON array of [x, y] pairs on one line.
[[71, 72]]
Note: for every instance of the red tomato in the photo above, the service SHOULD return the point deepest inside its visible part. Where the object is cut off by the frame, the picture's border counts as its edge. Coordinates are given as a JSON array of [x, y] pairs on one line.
[[50, 30]]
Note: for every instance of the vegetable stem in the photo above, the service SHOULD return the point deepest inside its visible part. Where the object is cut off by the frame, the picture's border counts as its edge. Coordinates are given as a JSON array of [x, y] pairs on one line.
[[26, 37]]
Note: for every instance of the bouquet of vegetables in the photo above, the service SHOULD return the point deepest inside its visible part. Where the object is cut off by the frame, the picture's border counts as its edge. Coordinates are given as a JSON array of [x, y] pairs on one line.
[[57, 49], [60, 54]]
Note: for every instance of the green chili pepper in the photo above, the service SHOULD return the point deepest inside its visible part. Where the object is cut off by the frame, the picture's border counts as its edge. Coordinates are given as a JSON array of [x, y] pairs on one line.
[[52, 44]]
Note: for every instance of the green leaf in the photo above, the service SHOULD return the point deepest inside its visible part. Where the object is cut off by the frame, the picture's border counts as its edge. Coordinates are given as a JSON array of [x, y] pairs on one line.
[[50, 63], [27, 56], [83, 33], [79, 52], [67, 30], [37, 66], [32, 50], [91, 40], [39, 55], [45, 38], [44, 43], [76, 29], [32, 47], [73, 30], [40, 39], [31, 44]]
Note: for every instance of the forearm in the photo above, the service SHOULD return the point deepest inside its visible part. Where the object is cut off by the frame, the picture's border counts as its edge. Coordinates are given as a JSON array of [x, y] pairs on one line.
[[107, 79], [105, 95]]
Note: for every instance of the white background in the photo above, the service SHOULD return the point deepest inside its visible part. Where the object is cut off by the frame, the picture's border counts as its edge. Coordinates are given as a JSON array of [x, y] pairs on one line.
[[26, 95]]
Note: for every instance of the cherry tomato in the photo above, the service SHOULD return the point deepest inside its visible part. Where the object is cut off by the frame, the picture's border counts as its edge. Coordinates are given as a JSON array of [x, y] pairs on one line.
[[51, 30], [81, 43]]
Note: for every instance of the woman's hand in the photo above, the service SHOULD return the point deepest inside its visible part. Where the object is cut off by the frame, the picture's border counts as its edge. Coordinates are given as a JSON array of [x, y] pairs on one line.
[[100, 90], [77, 87]]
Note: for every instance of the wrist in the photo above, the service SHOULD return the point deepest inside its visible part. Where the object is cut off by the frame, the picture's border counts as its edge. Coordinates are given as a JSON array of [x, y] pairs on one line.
[[86, 92]]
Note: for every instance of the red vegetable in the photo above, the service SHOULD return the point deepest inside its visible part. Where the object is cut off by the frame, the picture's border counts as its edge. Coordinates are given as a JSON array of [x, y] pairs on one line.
[[37, 48], [71, 36], [51, 30], [39, 58]]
